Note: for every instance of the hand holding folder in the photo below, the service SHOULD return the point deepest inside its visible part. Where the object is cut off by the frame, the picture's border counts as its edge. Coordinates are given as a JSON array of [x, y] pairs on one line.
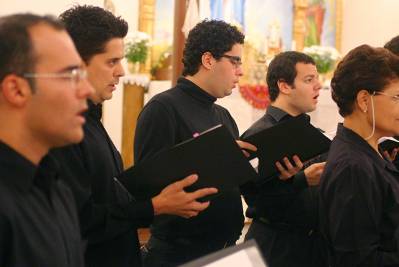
[[214, 155], [295, 136], [390, 147]]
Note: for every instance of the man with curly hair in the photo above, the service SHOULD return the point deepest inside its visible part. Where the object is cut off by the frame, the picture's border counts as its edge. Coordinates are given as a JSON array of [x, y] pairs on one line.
[[212, 68], [109, 217]]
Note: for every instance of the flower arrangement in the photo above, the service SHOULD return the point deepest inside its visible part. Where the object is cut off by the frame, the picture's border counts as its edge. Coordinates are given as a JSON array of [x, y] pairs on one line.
[[324, 56], [136, 48]]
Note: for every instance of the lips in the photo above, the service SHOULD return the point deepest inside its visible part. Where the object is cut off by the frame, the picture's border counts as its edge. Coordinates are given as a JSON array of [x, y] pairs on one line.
[[81, 115]]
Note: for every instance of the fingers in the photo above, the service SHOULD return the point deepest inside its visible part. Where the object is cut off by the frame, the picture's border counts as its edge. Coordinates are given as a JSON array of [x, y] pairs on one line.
[[287, 163], [189, 180], [194, 209], [246, 154], [297, 162], [289, 170], [202, 193], [246, 146], [284, 174]]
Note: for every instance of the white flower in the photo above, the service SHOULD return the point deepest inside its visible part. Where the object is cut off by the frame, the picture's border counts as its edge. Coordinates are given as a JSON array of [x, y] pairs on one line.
[[324, 56], [137, 37]]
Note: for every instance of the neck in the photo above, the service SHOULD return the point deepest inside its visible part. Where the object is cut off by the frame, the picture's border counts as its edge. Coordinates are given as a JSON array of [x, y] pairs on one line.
[[285, 106], [19, 138], [201, 81], [360, 125], [95, 100]]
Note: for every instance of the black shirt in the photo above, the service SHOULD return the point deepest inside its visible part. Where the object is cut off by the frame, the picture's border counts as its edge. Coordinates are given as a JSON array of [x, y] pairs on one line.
[[38, 220], [109, 218], [289, 201], [359, 203], [168, 119]]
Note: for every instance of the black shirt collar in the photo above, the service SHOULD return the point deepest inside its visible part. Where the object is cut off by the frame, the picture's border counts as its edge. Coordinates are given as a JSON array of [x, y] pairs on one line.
[[95, 111], [22, 173], [353, 138], [278, 114], [195, 91]]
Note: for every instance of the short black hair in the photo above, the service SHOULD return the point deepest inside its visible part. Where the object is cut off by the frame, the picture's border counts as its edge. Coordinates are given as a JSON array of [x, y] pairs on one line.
[[393, 45], [213, 36], [16, 49], [91, 27], [363, 68], [283, 67]]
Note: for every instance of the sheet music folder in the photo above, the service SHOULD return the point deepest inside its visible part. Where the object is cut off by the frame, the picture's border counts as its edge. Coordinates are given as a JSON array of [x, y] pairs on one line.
[[389, 144], [295, 136], [214, 155]]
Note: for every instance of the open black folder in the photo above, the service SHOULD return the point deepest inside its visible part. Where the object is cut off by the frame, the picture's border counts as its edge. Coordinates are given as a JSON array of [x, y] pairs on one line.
[[214, 155], [295, 136], [389, 144]]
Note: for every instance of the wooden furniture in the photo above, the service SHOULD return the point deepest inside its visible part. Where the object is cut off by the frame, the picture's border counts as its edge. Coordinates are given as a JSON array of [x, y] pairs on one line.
[[133, 101]]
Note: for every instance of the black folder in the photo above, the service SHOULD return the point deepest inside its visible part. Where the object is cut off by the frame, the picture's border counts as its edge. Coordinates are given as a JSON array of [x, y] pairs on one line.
[[389, 145], [214, 155], [295, 136]]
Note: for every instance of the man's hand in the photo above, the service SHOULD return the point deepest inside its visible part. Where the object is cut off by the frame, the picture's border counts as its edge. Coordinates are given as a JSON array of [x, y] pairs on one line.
[[288, 170], [246, 146], [391, 156], [175, 201], [313, 173]]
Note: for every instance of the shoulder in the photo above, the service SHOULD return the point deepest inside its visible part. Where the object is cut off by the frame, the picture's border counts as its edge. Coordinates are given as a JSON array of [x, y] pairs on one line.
[[261, 124]]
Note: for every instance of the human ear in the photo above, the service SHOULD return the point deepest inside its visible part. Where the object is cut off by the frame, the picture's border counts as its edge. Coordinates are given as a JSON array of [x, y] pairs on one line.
[[362, 100], [15, 90], [207, 60], [284, 87]]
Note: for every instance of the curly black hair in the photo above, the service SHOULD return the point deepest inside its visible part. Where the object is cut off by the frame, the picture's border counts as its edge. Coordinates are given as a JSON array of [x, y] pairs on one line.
[[17, 55], [213, 36], [91, 28], [363, 68], [283, 67]]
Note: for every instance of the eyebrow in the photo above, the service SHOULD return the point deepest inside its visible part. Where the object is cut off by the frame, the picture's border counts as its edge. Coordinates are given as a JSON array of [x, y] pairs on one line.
[[70, 68]]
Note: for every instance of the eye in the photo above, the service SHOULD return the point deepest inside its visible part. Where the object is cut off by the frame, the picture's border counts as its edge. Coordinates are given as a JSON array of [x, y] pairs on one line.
[[113, 62], [308, 80]]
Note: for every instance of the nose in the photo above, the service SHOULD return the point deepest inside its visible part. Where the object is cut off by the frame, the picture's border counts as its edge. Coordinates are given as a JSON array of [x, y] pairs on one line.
[[119, 71], [239, 71], [84, 89]]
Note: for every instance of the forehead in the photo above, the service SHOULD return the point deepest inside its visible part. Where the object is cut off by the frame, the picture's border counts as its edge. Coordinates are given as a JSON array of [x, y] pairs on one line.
[[53, 49], [114, 48], [304, 69], [236, 50], [392, 86]]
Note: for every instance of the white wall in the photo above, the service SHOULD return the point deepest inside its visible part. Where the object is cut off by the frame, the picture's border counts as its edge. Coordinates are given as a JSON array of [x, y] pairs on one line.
[[54, 7], [371, 22]]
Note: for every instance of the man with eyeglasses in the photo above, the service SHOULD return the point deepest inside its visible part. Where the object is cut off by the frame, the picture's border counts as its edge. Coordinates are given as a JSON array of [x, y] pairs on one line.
[[212, 68], [42, 99], [109, 216]]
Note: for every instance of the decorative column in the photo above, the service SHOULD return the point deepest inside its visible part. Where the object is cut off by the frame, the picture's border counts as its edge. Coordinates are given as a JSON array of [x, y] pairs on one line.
[[146, 24], [299, 29], [178, 39]]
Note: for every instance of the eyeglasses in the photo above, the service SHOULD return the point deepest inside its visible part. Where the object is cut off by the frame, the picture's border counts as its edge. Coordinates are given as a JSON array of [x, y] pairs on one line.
[[395, 98], [75, 75], [235, 60]]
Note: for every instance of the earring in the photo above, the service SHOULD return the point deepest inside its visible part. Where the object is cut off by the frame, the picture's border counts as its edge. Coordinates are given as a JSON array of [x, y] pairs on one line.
[[365, 110]]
